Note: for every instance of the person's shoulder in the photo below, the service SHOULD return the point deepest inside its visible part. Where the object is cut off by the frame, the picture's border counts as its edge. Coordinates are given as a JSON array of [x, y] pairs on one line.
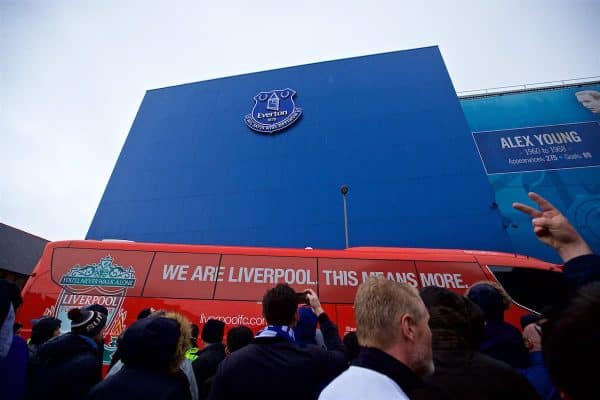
[[360, 383], [19, 341], [20, 345], [494, 367], [513, 382], [216, 350], [483, 360], [513, 331], [324, 355], [238, 357], [57, 345], [101, 390]]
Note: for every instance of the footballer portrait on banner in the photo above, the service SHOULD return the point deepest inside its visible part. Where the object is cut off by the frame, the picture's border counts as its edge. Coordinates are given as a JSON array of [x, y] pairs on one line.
[[590, 99]]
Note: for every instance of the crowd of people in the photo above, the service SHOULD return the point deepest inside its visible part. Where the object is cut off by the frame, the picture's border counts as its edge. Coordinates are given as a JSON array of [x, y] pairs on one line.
[[430, 343]]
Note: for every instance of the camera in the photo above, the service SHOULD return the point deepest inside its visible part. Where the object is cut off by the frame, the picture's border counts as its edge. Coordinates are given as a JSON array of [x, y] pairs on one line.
[[302, 298]]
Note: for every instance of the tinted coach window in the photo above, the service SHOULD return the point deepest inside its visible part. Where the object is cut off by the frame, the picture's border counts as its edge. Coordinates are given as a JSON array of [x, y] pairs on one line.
[[532, 288]]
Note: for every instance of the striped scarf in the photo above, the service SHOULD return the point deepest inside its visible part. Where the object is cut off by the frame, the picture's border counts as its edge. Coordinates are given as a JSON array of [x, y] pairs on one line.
[[280, 331]]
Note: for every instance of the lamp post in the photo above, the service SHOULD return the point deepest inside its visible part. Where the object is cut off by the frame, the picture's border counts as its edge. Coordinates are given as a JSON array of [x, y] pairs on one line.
[[344, 190]]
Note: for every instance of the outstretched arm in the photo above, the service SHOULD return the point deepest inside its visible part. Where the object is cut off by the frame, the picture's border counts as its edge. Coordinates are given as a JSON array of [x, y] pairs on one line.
[[330, 333], [554, 229]]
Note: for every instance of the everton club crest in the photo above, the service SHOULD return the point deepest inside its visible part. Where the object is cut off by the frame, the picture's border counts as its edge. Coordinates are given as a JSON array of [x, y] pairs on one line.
[[273, 111]]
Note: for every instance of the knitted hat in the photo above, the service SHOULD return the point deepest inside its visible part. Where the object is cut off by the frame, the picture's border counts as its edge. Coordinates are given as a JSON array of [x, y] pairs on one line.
[[86, 322], [96, 307], [213, 331]]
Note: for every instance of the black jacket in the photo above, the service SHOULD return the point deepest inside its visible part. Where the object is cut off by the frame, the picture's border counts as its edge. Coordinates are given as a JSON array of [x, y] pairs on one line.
[[464, 375], [148, 348], [580, 271], [206, 365], [65, 368], [577, 273], [276, 367], [133, 383]]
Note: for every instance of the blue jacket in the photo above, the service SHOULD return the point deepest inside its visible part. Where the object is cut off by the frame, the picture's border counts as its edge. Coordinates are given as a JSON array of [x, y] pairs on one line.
[[537, 375], [13, 370]]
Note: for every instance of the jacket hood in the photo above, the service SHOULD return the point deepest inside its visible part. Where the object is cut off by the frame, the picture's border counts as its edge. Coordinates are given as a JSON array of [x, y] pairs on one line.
[[43, 329], [489, 300], [65, 346], [150, 343]]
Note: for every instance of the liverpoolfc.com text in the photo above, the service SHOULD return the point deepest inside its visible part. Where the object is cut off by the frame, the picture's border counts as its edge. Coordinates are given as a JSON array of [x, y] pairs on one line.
[[234, 319]]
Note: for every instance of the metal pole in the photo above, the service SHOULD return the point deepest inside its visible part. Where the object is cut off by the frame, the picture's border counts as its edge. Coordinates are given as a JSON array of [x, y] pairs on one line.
[[346, 221], [344, 191]]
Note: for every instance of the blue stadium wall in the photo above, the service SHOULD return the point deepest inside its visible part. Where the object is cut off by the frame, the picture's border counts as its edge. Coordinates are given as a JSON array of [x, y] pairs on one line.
[[571, 184], [389, 126]]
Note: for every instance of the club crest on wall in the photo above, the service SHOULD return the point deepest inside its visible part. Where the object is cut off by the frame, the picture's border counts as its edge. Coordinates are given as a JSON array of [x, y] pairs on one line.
[[273, 111]]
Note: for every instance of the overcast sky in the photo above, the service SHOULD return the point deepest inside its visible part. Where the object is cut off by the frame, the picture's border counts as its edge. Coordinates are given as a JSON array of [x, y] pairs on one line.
[[73, 74]]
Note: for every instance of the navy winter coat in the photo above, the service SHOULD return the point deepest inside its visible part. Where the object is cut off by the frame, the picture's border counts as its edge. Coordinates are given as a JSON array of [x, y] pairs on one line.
[[134, 383], [148, 349], [65, 368]]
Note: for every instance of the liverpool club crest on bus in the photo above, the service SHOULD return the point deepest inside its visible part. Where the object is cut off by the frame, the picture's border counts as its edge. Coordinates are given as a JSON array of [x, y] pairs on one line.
[[273, 111], [104, 283]]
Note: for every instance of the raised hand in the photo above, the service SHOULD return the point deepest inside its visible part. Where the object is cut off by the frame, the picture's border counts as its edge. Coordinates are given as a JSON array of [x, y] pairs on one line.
[[314, 302], [553, 228]]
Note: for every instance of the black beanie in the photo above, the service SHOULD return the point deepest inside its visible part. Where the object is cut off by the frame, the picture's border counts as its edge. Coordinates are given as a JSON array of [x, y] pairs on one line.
[[96, 307], [213, 331], [86, 322]]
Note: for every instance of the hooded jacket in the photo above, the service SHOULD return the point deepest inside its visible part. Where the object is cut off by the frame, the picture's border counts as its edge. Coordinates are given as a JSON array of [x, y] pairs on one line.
[[65, 368], [501, 341], [148, 350]]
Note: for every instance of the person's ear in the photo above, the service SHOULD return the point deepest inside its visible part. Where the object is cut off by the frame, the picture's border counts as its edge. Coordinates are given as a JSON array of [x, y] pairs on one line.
[[407, 327], [528, 343]]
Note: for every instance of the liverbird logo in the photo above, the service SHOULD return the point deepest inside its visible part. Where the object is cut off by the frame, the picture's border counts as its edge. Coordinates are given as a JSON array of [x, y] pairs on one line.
[[104, 283]]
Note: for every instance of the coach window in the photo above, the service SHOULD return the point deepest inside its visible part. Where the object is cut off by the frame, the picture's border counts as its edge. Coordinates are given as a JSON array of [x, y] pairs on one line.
[[532, 288]]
